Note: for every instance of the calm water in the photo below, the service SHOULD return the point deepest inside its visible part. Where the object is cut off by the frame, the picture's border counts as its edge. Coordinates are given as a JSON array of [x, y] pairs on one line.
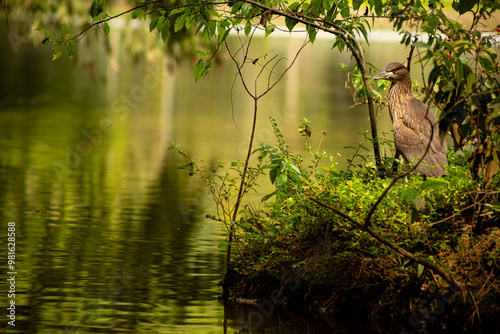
[[110, 235]]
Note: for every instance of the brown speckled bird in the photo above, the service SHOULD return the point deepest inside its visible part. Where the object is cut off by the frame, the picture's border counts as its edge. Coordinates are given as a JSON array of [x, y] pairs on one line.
[[414, 123]]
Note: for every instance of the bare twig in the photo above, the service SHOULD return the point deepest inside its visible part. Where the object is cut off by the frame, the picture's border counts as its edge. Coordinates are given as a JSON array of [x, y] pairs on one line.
[[255, 96], [410, 54]]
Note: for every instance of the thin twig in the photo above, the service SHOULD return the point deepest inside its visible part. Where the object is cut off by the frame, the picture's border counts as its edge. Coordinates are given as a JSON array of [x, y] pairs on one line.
[[410, 54], [75, 36], [255, 97]]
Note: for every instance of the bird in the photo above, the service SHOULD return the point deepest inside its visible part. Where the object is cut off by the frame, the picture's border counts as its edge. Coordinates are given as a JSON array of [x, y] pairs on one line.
[[414, 124]]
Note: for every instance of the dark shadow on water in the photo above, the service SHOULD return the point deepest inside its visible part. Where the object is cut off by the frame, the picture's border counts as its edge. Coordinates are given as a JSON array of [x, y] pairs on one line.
[[258, 319]]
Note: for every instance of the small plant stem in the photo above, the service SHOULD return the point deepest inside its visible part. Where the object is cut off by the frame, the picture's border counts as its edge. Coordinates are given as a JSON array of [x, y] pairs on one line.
[[242, 183]]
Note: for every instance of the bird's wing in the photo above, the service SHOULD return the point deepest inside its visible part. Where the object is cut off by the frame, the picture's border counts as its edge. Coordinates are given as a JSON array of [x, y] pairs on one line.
[[412, 130], [412, 133], [421, 112], [409, 139]]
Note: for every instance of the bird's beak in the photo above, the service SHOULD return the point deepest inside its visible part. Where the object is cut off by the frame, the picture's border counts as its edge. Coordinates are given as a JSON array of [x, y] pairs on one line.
[[381, 76]]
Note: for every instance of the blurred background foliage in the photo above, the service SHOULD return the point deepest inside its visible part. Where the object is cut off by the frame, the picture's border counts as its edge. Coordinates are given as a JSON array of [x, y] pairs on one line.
[[455, 42]]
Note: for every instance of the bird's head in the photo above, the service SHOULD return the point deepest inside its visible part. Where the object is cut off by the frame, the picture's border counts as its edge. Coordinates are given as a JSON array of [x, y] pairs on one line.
[[393, 72]]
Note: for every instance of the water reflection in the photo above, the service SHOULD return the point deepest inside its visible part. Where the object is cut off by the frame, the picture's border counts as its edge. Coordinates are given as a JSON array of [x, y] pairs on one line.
[[111, 236]]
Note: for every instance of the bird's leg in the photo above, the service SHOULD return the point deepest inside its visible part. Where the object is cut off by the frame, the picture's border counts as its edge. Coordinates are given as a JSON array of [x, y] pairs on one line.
[[395, 163]]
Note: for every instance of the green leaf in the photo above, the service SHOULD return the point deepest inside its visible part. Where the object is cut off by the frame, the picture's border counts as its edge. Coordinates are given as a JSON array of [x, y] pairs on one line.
[[420, 44], [420, 270], [429, 24], [432, 184], [379, 7], [491, 53], [268, 196], [153, 24], [222, 37], [461, 43], [295, 169], [70, 47], [135, 14], [442, 17], [96, 8], [362, 28], [273, 165], [293, 7], [198, 69], [276, 171], [199, 53], [56, 50], [208, 30], [247, 10], [463, 6], [408, 195], [344, 8], [356, 4], [248, 28], [176, 11], [487, 63], [494, 114], [447, 87], [312, 33], [106, 29], [179, 23], [165, 31], [46, 32], [236, 7], [281, 181], [290, 23], [269, 30], [190, 21]]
